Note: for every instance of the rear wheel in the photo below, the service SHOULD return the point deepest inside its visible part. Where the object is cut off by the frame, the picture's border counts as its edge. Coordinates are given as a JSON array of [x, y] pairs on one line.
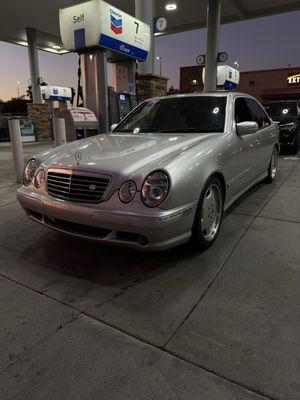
[[272, 170], [208, 215], [294, 148]]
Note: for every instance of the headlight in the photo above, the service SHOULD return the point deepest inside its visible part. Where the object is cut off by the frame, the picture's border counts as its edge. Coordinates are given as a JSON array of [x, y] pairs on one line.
[[127, 191], [155, 189], [39, 179], [29, 171], [290, 127]]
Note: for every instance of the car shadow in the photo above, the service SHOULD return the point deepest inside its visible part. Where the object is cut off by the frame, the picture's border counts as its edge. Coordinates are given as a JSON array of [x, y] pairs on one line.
[[251, 192], [101, 263]]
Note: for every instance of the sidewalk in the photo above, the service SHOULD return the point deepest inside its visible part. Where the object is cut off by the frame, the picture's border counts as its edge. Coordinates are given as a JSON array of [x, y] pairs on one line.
[[82, 321]]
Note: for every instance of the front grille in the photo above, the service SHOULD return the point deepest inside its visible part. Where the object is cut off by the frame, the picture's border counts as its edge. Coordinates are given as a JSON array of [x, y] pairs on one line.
[[74, 186], [77, 228]]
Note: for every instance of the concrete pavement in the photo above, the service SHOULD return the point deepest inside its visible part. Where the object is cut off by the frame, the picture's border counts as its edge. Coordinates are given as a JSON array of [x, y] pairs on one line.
[[84, 321]]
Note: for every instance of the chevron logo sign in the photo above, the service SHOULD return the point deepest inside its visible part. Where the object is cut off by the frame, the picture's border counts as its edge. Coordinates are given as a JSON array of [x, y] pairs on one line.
[[116, 24]]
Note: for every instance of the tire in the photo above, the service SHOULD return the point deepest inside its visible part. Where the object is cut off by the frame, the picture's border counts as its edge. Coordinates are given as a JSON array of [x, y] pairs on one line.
[[273, 167], [294, 148], [209, 214]]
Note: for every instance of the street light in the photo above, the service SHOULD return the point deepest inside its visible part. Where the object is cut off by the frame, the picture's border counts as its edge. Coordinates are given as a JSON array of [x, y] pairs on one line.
[[18, 88], [236, 64], [160, 64]]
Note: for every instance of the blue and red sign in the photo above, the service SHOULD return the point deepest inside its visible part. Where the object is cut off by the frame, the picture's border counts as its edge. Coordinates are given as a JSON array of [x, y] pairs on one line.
[[116, 24]]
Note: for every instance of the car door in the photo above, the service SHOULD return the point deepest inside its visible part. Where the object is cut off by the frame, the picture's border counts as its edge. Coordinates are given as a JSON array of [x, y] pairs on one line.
[[246, 149], [265, 135], [268, 135]]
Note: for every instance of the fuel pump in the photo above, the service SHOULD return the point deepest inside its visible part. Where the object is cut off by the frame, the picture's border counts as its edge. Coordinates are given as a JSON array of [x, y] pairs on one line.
[[78, 122], [101, 33]]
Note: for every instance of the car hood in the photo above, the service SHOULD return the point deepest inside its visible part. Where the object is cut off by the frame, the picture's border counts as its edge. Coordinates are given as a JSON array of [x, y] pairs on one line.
[[126, 155]]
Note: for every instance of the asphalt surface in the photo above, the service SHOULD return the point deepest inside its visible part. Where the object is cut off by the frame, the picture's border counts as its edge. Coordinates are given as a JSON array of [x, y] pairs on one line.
[[85, 321]]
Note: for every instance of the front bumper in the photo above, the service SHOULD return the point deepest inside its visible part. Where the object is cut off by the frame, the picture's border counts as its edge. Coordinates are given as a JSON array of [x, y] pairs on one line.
[[287, 138], [109, 222]]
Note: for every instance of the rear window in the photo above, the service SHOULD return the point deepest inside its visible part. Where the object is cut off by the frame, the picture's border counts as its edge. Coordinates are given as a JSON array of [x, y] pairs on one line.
[[281, 109]]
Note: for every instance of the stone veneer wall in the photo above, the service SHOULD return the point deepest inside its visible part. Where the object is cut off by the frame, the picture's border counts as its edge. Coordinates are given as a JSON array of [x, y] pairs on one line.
[[151, 85], [39, 115]]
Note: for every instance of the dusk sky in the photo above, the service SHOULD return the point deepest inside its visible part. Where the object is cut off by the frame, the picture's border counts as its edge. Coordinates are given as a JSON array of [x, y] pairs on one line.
[[271, 42]]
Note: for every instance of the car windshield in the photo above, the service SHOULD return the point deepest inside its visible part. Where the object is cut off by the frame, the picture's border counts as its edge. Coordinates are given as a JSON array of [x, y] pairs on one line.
[[281, 109], [194, 114]]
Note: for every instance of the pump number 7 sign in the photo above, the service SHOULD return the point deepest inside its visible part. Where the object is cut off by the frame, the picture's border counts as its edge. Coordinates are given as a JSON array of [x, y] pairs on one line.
[[160, 24]]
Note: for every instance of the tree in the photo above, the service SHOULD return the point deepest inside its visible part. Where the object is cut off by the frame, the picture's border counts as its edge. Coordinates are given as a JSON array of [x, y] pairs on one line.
[[172, 90], [15, 106]]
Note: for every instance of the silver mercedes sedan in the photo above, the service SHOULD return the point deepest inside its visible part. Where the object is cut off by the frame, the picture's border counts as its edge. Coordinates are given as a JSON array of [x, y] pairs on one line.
[[163, 177]]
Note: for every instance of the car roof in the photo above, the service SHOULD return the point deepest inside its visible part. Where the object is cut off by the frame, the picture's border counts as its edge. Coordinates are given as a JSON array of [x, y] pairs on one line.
[[281, 101], [217, 93]]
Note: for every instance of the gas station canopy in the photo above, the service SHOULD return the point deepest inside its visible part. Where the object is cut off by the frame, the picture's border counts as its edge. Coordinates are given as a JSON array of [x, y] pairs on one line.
[[190, 14]]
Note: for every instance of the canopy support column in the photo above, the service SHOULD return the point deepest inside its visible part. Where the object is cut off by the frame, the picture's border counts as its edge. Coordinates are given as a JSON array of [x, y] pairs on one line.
[[144, 11], [212, 44], [34, 65]]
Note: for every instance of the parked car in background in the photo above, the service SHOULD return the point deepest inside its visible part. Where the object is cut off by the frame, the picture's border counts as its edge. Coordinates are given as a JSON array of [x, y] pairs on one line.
[[287, 114], [163, 177], [4, 131]]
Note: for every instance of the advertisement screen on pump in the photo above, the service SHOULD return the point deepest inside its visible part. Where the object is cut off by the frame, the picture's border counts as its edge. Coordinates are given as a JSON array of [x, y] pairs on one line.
[[80, 114], [97, 23]]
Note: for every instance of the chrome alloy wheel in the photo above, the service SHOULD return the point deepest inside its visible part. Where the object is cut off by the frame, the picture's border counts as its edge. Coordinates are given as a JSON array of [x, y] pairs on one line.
[[211, 212], [274, 163]]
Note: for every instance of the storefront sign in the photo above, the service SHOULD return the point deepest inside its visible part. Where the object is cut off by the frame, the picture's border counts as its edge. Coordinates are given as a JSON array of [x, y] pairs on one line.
[[97, 23], [294, 79]]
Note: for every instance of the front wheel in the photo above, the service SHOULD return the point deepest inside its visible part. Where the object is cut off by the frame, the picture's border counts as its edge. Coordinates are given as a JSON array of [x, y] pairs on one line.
[[208, 215], [272, 170]]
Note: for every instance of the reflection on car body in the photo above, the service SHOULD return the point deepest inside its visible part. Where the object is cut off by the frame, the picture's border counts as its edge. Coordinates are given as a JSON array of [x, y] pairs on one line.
[[163, 177]]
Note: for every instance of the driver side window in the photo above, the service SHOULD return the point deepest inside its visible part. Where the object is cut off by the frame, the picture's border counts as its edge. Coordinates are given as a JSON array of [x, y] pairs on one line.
[[242, 112]]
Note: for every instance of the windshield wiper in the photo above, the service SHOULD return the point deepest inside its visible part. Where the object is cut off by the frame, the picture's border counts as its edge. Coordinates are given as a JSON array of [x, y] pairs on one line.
[[132, 131], [188, 130], [185, 130]]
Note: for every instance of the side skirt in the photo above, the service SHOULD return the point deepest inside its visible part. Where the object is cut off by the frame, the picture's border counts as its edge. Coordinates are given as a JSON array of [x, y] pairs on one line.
[[238, 195]]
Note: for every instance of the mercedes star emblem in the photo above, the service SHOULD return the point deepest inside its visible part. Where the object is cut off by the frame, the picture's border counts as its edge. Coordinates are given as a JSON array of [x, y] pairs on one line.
[[78, 157]]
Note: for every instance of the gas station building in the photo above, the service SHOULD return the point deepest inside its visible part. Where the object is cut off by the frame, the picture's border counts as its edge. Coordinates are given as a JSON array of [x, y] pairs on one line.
[[269, 84]]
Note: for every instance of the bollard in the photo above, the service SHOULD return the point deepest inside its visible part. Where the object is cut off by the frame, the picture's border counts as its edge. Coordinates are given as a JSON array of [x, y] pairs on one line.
[[59, 131], [17, 149]]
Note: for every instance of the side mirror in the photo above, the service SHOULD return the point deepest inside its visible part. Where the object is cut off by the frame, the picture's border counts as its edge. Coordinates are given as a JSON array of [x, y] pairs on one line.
[[112, 127], [246, 128]]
